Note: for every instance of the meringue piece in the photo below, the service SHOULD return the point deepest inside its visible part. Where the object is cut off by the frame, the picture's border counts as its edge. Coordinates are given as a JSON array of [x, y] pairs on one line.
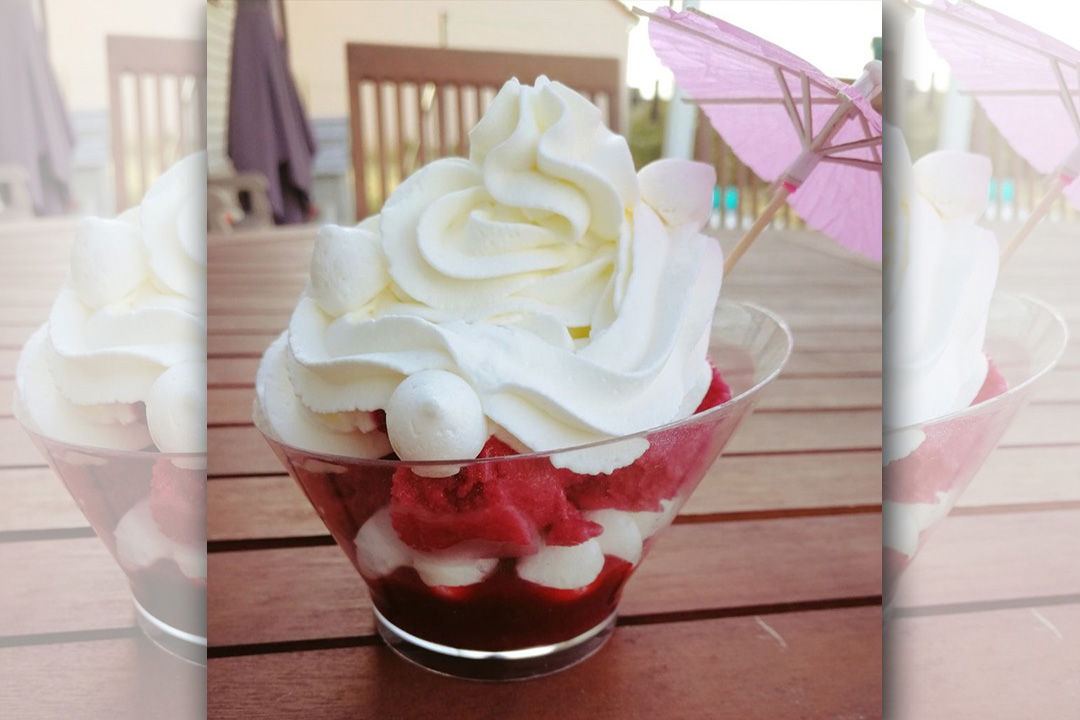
[[900, 532], [898, 444], [563, 567], [108, 261], [379, 550], [435, 415], [601, 459], [139, 541], [955, 183], [348, 269], [451, 571], [192, 560], [650, 523], [680, 191], [176, 409], [621, 537], [904, 522]]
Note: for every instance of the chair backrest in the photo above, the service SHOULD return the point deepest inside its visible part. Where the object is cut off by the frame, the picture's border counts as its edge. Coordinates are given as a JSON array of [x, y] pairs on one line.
[[157, 98], [418, 104]]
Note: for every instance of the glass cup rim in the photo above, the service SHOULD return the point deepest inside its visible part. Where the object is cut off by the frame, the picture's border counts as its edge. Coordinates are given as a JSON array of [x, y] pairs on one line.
[[99, 451], [690, 420], [1010, 392]]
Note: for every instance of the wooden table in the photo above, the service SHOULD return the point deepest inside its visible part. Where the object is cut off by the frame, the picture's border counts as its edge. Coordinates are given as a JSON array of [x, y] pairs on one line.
[[988, 623], [69, 646], [762, 601]]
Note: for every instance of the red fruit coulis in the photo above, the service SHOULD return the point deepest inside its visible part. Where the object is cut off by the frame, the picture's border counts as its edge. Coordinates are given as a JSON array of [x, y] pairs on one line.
[[509, 505]]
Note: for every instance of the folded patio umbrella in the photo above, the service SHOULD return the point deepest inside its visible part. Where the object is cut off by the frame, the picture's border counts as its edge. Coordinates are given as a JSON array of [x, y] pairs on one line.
[[35, 131], [1027, 82], [817, 139], [268, 130]]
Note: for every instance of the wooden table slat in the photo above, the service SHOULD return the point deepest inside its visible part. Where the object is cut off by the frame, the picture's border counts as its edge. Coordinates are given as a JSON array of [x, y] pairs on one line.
[[825, 664]]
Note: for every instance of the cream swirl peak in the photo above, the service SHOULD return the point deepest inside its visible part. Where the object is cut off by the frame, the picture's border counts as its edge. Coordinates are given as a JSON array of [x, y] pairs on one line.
[[572, 295], [939, 275], [121, 362]]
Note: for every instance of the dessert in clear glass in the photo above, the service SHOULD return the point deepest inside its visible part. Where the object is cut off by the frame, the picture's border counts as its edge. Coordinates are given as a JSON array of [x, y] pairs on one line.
[[498, 390], [149, 508], [960, 359], [112, 390], [1025, 338], [511, 567]]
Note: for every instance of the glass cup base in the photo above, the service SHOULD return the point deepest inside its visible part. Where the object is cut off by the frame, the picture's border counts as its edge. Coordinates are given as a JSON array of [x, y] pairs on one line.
[[494, 665], [184, 645]]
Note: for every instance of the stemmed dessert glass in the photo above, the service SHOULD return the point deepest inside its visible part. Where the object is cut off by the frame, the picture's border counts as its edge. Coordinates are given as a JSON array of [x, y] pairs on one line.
[[467, 602], [149, 508], [1025, 338]]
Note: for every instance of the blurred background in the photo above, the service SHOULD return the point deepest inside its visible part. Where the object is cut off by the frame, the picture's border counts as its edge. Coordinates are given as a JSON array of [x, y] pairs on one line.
[[936, 114], [408, 108], [96, 104]]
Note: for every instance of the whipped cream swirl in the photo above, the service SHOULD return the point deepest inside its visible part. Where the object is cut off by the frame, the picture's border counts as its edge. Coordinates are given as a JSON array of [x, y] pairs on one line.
[[572, 294], [121, 363], [940, 270]]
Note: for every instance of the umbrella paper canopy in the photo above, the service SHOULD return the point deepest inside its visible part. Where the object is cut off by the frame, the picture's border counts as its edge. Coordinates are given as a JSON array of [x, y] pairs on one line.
[[35, 132], [268, 130], [1027, 81], [786, 120]]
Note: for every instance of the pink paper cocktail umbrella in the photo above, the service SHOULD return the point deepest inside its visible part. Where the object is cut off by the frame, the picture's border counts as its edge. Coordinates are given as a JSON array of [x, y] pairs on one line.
[[1027, 82], [817, 139]]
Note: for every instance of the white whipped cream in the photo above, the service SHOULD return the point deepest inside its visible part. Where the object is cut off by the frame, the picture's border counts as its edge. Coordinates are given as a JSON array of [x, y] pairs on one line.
[[940, 270], [572, 294], [133, 308]]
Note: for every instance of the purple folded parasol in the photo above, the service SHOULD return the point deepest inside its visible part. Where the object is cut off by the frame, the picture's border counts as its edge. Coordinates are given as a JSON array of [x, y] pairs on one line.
[[35, 131], [268, 129]]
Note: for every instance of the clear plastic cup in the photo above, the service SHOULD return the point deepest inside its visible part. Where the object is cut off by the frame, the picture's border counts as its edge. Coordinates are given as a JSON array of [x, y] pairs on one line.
[[149, 508], [1025, 338], [463, 585]]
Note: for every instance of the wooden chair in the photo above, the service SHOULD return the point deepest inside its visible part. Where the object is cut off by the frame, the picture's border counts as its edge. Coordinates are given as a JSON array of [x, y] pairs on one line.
[[420, 103], [157, 98]]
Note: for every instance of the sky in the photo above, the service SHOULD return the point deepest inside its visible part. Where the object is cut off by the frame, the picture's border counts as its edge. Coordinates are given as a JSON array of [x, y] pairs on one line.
[[838, 41], [1058, 18]]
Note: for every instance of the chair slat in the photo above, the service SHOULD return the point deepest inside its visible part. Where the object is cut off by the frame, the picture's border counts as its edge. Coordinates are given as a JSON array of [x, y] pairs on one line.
[[459, 98], [398, 91], [380, 141], [447, 70]]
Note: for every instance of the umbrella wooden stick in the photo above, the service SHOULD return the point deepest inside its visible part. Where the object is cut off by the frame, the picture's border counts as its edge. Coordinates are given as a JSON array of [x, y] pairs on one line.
[[760, 224], [785, 189], [1036, 215]]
